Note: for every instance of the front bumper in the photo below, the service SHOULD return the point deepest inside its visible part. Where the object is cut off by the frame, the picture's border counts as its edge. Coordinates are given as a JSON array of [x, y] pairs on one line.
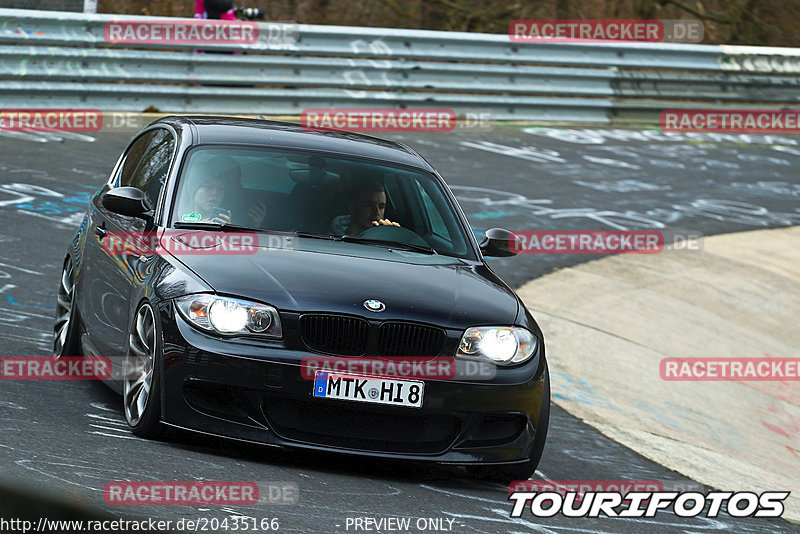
[[253, 390]]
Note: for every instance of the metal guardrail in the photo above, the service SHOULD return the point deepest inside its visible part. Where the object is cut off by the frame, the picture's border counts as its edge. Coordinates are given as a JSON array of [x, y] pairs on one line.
[[61, 60]]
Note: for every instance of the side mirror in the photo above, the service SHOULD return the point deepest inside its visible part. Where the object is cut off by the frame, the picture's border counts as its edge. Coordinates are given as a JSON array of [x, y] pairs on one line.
[[498, 242], [128, 201]]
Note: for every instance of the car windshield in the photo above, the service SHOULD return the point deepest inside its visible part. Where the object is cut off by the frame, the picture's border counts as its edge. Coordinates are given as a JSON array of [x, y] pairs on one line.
[[311, 193]]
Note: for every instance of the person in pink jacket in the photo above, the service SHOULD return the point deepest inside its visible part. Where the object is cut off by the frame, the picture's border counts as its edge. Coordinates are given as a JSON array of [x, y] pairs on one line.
[[214, 9]]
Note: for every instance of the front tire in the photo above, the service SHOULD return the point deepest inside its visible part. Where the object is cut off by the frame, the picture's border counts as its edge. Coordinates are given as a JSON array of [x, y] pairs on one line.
[[66, 334], [141, 383], [524, 470]]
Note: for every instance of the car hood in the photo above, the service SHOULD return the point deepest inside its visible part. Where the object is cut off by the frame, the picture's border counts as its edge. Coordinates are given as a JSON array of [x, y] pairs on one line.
[[433, 289]]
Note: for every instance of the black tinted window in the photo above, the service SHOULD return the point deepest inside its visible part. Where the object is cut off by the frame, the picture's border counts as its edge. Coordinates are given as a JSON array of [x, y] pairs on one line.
[[152, 171], [133, 158], [147, 163]]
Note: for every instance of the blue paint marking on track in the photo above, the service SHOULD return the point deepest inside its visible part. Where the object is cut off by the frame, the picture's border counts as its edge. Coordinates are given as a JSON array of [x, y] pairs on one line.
[[11, 300]]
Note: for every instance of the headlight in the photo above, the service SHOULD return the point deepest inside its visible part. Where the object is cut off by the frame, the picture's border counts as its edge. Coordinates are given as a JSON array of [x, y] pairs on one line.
[[230, 316], [501, 344]]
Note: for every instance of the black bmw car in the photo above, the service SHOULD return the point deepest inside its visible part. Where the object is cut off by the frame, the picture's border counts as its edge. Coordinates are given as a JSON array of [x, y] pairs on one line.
[[374, 261]]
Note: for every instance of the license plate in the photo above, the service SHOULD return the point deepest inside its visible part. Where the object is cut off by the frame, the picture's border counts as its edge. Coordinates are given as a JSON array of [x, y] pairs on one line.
[[368, 389]]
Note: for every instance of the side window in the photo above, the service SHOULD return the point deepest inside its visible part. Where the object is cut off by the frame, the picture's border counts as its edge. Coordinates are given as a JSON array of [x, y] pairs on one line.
[[147, 163], [132, 159], [151, 172]]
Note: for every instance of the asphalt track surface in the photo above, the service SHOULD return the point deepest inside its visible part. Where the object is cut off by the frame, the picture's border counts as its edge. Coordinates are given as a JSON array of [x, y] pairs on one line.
[[70, 436]]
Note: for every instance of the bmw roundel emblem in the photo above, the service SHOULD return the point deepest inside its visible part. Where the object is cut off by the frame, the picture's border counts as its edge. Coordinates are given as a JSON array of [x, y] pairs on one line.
[[374, 305]]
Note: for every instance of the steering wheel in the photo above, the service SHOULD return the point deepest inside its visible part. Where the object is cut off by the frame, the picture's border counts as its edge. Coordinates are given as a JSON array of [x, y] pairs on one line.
[[394, 233]]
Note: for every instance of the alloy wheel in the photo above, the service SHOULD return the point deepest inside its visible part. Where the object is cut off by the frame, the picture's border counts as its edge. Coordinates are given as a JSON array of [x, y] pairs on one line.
[[64, 306], [139, 364]]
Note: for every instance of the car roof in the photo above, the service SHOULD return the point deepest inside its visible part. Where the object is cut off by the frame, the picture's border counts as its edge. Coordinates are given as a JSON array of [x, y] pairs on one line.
[[238, 131]]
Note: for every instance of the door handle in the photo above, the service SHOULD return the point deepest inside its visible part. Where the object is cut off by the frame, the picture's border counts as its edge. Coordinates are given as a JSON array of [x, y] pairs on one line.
[[101, 230]]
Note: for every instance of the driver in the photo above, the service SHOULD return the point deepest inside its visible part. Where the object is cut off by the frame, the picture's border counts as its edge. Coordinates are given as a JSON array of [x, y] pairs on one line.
[[367, 209]]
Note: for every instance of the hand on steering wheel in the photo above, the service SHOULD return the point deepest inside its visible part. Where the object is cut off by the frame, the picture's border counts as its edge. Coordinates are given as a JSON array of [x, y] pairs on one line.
[[384, 222], [387, 230]]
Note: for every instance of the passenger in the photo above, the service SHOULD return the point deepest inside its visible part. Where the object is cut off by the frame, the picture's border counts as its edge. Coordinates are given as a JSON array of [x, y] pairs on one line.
[[218, 183], [208, 192]]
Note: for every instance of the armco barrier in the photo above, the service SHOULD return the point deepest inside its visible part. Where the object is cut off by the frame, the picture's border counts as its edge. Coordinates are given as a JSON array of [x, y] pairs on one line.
[[61, 60]]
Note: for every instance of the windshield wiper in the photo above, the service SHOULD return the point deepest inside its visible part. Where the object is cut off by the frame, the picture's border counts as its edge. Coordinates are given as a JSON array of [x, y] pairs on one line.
[[238, 228], [392, 244], [215, 226], [348, 238], [312, 235]]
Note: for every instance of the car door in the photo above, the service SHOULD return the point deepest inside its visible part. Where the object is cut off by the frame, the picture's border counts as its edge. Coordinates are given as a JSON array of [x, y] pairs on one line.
[[114, 271]]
